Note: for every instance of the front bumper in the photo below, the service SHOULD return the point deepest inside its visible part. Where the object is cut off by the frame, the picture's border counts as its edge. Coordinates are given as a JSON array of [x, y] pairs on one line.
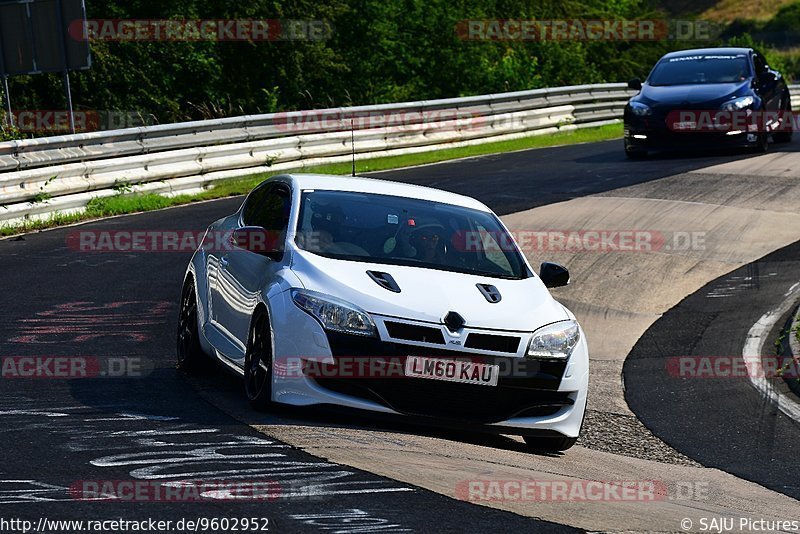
[[652, 133], [526, 390], [531, 397]]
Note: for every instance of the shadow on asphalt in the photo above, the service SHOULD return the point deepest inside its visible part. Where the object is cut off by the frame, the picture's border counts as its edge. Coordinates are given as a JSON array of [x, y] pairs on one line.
[[328, 416], [688, 159]]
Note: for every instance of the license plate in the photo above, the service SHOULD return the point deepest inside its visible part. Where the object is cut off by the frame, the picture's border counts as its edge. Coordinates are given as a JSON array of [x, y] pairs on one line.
[[685, 125], [463, 371]]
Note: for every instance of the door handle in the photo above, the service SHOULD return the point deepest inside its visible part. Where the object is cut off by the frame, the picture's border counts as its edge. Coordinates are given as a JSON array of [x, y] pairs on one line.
[[223, 261]]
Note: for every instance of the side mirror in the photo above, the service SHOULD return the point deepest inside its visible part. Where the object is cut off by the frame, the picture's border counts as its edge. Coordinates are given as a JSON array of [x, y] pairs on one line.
[[635, 83], [257, 240], [553, 274]]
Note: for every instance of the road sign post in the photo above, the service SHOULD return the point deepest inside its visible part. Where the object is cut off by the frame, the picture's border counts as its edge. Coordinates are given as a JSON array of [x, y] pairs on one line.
[[35, 38]]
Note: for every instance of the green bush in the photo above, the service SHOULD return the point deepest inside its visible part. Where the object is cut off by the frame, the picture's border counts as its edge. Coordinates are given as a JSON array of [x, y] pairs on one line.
[[379, 51]]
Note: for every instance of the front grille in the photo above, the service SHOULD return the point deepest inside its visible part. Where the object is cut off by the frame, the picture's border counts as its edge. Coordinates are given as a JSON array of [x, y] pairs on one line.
[[514, 372], [492, 342], [525, 388], [691, 139], [410, 332]]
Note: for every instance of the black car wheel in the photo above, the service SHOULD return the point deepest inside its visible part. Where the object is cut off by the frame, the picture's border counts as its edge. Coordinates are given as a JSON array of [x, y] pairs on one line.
[[785, 135], [763, 143], [636, 154], [189, 353], [258, 363]]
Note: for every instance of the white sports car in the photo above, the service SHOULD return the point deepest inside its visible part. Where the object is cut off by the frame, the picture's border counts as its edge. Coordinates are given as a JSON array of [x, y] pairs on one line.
[[386, 297]]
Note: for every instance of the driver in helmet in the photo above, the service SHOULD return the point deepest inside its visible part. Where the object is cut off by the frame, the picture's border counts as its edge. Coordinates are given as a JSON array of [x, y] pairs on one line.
[[428, 241]]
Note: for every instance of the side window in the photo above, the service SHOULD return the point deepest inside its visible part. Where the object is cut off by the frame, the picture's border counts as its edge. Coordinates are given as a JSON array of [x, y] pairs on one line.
[[273, 212], [252, 204]]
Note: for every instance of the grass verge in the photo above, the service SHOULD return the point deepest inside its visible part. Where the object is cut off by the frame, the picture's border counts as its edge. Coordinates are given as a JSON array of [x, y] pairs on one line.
[[126, 202]]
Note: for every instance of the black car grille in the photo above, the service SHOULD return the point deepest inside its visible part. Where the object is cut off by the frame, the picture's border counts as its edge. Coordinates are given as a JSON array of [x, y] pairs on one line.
[[687, 139], [514, 372], [410, 332], [492, 342], [525, 388], [662, 115]]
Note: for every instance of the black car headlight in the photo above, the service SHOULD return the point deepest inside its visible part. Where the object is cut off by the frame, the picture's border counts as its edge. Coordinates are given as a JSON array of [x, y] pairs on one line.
[[738, 104], [639, 109], [335, 314]]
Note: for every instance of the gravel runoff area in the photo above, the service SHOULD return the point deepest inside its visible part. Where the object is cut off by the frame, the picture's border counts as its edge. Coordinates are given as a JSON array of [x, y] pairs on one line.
[[626, 435]]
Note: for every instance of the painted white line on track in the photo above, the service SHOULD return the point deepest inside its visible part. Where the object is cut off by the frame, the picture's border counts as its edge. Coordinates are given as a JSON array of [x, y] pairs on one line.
[[756, 339]]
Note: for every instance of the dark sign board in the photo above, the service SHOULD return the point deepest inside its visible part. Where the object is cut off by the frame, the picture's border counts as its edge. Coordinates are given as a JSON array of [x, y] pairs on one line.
[[35, 38]]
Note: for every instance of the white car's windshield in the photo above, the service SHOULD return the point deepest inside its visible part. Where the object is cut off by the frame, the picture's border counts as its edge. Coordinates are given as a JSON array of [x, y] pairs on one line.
[[402, 231]]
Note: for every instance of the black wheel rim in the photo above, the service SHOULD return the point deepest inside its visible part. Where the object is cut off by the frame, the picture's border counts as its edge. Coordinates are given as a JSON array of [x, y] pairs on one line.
[[187, 326], [258, 361]]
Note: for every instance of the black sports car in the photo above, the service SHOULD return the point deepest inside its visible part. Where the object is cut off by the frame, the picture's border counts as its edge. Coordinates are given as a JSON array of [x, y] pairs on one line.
[[710, 97]]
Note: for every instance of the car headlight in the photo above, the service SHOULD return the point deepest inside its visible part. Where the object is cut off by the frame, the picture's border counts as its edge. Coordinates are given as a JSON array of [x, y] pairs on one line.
[[639, 109], [554, 341], [738, 103], [334, 314]]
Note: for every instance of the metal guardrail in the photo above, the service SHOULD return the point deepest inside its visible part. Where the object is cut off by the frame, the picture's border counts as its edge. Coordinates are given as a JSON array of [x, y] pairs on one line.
[[794, 90], [45, 175]]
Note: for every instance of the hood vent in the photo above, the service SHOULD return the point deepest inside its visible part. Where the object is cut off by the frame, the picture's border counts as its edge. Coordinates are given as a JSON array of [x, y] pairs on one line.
[[384, 280], [490, 292]]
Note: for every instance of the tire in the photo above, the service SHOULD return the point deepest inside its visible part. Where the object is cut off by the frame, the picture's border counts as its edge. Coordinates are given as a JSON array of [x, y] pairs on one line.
[[258, 363], [636, 154], [190, 357], [763, 140], [549, 444], [763, 144], [785, 136]]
